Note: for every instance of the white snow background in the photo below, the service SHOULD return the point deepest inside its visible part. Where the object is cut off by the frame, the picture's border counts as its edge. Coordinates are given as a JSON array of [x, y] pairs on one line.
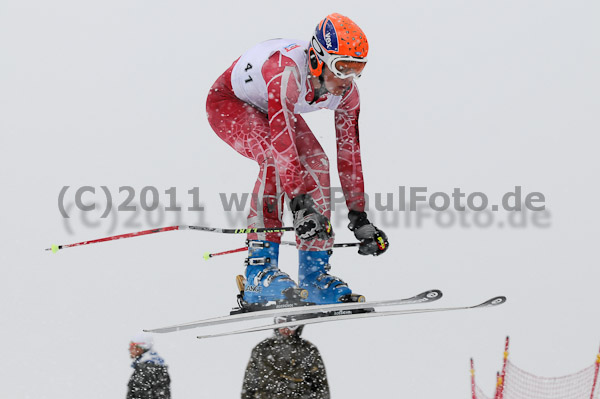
[[481, 95]]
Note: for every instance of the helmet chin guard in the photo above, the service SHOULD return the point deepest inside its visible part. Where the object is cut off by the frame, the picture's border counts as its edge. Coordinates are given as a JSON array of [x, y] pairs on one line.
[[314, 63]]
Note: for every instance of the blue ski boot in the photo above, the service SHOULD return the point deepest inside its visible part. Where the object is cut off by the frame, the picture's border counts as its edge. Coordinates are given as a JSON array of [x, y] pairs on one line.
[[322, 287], [264, 282]]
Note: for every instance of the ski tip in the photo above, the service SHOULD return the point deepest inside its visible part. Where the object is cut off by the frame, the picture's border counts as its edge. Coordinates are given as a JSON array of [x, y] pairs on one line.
[[498, 300], [426, 296], [433, 294]]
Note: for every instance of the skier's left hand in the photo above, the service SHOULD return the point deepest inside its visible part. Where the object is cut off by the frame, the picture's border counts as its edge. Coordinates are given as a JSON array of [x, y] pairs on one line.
[[372, 240]]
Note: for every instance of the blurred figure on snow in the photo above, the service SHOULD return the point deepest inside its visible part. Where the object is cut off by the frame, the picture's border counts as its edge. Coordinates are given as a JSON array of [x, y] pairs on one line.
[[285, 366], [150, 379]]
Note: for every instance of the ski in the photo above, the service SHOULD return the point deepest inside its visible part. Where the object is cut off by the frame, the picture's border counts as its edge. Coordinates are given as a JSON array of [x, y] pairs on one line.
[[496, 301], [423, 297]]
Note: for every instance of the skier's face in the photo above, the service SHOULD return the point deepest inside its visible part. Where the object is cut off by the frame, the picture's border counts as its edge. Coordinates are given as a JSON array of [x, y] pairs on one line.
[[333, 84], [134, 350], [286, 332]]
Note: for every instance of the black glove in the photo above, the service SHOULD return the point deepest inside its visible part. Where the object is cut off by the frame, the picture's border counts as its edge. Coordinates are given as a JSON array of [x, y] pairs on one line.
[[308, 222], [372, 240]]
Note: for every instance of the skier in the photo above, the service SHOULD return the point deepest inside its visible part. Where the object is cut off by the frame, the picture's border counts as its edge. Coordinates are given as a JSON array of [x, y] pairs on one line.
[[150, 378], [285, 366], [255, 107]]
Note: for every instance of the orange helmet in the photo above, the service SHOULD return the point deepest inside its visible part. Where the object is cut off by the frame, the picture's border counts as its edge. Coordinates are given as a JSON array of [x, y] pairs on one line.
[[340, 44]]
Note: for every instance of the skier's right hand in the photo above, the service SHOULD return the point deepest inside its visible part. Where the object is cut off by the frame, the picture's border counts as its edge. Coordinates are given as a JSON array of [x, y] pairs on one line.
[[308, 222]]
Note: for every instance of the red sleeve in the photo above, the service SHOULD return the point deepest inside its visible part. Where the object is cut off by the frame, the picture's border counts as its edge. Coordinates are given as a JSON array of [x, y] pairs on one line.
[[283, 87], [348, 150]]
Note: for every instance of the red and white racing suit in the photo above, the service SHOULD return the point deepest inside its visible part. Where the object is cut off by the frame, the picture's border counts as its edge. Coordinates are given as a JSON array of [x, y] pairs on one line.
[[255, 107]]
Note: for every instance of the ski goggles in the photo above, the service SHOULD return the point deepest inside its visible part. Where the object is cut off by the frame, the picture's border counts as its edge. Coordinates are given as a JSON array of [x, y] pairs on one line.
[[342, 66]]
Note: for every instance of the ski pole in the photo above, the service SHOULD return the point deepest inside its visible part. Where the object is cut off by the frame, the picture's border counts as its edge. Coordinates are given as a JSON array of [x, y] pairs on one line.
[[55, 248], [208, 255]]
